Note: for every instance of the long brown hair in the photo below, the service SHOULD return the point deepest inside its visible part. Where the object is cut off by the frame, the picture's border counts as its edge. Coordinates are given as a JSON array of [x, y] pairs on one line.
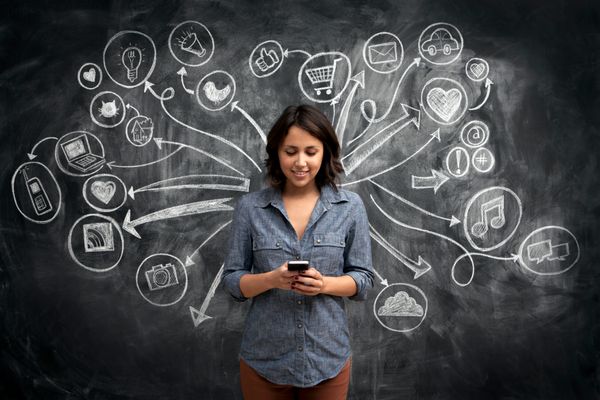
[[312, 120]]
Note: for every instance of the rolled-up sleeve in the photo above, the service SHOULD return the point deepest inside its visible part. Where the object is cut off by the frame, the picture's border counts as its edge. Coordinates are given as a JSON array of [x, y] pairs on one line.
[[357, 255], [239, 256]]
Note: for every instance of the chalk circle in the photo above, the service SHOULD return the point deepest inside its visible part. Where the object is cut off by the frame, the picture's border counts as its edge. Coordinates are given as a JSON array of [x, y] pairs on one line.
[[474, 134], [191, 43], [492, 217], [95, 148], [93, 242], [162, 279], [477, 69], [107, 109], [400, 307], [216, 90], [36, 192], [89, 76], [444, 100], [104, 192], [266, 59], [129, 58], [440, 43], [139, 130], [549, 250], [324, 76], [383, 52], [483, 160]]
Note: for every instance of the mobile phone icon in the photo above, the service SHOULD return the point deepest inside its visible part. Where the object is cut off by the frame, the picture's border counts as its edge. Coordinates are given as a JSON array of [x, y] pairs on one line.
[[37, 194]]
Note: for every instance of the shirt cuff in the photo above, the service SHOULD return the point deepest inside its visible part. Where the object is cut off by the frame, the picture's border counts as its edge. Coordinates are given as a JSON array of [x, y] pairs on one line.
[[361, 287], [232, 284]]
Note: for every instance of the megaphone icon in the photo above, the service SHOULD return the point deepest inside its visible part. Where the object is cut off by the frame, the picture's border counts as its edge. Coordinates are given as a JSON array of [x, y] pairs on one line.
[[191, 44]]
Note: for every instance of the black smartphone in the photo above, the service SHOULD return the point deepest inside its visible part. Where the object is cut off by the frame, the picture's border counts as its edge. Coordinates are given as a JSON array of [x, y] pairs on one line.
[[297, 265]]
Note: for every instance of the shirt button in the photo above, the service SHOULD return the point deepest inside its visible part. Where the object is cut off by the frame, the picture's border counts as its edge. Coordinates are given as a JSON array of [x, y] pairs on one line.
[[342, 242], [300, 302], [297, 257], [299, 348], [318, 240], [299, 325], [278, 244]]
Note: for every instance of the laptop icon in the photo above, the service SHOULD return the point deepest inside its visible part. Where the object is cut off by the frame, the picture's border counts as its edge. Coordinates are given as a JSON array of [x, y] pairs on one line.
[[79, 156]]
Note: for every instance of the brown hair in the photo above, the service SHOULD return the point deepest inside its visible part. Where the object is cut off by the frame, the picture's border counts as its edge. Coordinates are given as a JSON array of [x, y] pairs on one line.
[[312, 120]]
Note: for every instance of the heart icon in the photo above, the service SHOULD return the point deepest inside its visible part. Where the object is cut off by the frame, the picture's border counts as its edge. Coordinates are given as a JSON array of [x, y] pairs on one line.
[[477, 69], [90, 75], [103, 190], [444, 102]]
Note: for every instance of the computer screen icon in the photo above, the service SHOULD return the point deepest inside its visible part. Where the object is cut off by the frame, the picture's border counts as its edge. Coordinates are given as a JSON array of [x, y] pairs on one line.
[[78, 154]]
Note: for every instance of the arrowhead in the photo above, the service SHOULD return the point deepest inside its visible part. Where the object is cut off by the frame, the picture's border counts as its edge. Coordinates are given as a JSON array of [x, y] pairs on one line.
[[128, 226], [359, 78], [131, 193], [488, 82], [182, 72], [454, 221], [147, 85], [413, 114], [110, 164], [128, 106], [384, 282], [424, 270], [198, 317], [417, 61], [334, 101], [436, 134], [158, 142], [440, 179], [234, 104], [31, 156], [189, 261], [515, 257], [285, 53]]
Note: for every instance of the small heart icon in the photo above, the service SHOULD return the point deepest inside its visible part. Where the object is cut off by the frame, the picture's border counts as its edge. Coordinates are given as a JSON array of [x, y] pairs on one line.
[[477, 69], [444, 102], [103, 190], [90, 75]]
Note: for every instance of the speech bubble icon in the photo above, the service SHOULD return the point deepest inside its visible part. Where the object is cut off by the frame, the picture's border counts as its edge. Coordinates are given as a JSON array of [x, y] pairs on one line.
[[539, 251], [560, 252]]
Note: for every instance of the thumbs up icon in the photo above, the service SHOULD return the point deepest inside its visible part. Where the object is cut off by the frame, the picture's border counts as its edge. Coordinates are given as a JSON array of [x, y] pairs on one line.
[[266, 59]]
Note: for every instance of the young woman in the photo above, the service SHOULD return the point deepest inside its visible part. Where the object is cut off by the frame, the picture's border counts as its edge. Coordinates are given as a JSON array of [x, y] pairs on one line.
[[296, 342]]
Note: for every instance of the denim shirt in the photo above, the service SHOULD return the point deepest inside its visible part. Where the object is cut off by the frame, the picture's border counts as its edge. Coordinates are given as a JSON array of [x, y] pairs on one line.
[[290, 338]]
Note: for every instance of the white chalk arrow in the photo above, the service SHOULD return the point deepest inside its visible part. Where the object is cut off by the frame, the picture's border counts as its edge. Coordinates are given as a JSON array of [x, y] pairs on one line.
[[129, 106], [234, 106], [32, 154], [384, 282], [198, 207], [359, 81], [189, 260], [160, 141], [357, 156], [488, 86], [208, 182], [419, 267], [112, 164], [199, 316], [183, 72], [434, 181], [286, 53], [148, 88]]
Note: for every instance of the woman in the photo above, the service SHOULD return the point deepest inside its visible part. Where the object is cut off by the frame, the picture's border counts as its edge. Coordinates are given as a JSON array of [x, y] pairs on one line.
[[296, 342]]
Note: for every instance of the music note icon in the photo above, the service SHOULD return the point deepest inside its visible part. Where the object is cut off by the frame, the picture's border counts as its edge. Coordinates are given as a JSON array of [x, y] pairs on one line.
[[494, 207]]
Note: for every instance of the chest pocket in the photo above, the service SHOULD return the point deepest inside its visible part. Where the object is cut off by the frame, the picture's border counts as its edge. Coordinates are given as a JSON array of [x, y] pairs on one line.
[[328, 253], [267, 252]]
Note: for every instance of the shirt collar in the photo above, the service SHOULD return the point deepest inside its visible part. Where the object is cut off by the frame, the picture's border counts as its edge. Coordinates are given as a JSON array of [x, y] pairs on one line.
[[272, 196]]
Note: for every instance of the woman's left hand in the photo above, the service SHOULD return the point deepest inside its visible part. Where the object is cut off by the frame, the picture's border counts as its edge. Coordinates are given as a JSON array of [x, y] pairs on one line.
[[309, 282]]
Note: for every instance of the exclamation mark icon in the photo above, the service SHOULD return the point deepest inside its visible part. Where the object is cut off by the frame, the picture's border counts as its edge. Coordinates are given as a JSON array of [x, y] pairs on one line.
[[458, 154]]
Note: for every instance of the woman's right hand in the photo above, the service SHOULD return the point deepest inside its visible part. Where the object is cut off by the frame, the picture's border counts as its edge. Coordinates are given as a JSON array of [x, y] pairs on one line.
[[281, 278]]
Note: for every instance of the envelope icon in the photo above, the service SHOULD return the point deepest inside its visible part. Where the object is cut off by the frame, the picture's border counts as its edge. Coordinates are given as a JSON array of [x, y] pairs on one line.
[[383, 53]]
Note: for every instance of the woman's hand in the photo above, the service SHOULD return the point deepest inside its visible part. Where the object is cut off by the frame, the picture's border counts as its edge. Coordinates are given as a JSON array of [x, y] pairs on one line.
[[281, 278], [309, 282]]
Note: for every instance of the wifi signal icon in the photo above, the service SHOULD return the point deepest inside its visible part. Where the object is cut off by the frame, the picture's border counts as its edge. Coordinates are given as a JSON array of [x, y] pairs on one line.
[[98, 237]]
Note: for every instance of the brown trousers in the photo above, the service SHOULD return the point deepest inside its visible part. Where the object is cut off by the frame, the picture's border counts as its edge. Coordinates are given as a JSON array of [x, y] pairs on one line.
[[255, 387]]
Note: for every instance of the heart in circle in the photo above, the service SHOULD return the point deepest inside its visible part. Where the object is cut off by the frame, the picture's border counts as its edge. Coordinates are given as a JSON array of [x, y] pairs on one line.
[[90, 75], [103, 190], [477, 69], [444, 102]]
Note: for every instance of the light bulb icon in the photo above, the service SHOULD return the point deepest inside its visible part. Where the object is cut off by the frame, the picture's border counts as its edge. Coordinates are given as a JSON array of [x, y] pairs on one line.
[[132, 58]]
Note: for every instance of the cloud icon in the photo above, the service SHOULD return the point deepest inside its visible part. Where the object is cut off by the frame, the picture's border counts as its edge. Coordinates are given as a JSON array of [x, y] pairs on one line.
[[400, 305]]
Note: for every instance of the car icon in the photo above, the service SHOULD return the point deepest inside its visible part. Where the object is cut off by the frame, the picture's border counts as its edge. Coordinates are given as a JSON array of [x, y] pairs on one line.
[[440, 40]]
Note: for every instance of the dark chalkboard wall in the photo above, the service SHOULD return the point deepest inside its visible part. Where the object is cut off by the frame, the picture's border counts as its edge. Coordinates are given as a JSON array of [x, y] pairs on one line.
[[487, 278]]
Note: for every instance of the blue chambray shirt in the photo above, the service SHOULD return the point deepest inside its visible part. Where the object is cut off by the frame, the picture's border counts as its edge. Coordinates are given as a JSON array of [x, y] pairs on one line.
[[289, 338]]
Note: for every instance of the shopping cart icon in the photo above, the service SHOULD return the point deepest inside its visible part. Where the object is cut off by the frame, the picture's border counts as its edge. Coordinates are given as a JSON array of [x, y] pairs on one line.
[[322, 76]]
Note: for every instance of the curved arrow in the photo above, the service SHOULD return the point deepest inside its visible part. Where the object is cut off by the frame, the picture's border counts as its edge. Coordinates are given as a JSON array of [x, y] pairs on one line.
[[148, 87], [199, 316], [112, 164], [128, 106], [210, 184], [438, 235], [183, 72], [434, 181], [453, 221], [210, 135], [340, 128], [414, 266], [188, 260], [234, 106], [32, 154], [306, 53], [198, 207], [488, 86], [415, 62], [434, 136]]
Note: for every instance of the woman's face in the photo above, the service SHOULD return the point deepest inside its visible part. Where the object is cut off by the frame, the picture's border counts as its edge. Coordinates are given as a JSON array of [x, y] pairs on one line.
[[300, 156]]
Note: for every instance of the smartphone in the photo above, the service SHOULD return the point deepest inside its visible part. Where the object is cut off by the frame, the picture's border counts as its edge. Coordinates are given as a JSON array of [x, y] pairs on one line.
[[37, 194], [297, 265]]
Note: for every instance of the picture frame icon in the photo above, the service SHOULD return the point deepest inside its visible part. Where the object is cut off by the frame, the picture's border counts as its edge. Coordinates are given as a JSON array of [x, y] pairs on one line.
[[161, 276], [383, 53], [98, 237]]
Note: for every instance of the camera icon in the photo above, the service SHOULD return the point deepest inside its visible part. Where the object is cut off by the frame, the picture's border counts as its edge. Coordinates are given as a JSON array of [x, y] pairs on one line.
[[162, 276]]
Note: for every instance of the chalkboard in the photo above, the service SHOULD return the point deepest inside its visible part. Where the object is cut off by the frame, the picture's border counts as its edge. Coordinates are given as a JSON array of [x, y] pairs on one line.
[[470, 130]]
